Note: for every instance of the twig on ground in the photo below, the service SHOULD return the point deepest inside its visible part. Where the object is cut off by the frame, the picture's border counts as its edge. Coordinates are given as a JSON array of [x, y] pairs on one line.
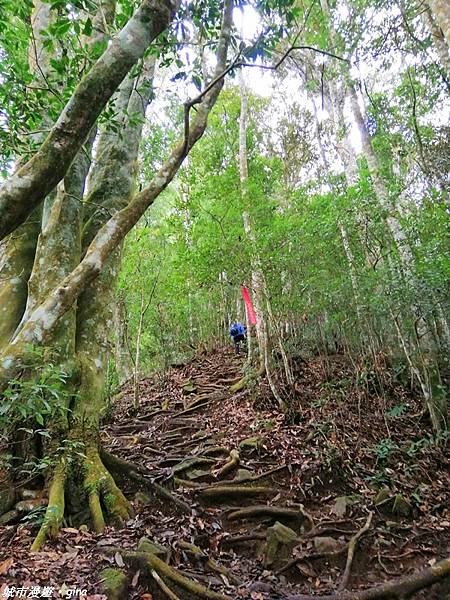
[[351, 551]]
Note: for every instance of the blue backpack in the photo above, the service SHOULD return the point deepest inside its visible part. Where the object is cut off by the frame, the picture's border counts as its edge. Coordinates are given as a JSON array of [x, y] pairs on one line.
[[236, 329]]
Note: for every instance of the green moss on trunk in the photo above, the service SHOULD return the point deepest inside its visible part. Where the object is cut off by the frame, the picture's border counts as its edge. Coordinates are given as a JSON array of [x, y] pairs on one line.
[[16, 264]]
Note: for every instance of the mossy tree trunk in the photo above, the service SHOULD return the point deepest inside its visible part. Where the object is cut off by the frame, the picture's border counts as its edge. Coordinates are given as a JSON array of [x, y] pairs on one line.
[[35, 179], [17, 251], [71, 293], [85, 331]]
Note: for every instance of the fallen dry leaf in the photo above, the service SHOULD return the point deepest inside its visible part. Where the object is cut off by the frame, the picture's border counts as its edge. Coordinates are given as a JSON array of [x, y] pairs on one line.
[[5, 565]]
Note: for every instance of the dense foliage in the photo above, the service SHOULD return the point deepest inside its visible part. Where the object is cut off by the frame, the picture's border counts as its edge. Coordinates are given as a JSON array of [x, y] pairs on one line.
[[337, 277]]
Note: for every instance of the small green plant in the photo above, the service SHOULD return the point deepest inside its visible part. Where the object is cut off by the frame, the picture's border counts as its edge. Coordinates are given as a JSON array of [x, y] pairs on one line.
[[397, 411], [332, 455], [416, 496], [319, 429], [35, 399], [70, 449], [417, 446], [267, 424], [37, 466], [379, 478], [384, 449], [34, 518], [335, 389], [320, 402]]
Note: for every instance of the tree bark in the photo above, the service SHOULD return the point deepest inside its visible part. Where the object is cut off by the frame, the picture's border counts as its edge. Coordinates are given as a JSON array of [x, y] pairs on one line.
[[45, 317], [437, 36], [85, 296], [122, 358], [33, 181], [440, 10], [19, 248]]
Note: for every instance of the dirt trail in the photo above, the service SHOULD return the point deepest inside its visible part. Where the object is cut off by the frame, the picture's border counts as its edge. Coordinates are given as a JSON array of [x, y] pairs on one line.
[[255, 506]]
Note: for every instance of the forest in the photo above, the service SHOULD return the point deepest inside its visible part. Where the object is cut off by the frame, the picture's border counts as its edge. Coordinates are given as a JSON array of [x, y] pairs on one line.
[[224, 299]]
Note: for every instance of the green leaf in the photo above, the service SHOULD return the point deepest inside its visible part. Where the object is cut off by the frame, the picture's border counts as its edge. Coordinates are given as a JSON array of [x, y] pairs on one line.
[[87, 28]]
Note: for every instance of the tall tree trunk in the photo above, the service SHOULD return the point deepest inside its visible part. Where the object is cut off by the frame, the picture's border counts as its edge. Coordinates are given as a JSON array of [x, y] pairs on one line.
[[122, 356], [440, 10], [75, 276], [259, 287], [16, 264], [19, 248], [437, 36]]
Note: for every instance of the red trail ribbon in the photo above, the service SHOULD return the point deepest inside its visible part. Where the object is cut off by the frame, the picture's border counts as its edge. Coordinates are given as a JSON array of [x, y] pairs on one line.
[[248, 303]]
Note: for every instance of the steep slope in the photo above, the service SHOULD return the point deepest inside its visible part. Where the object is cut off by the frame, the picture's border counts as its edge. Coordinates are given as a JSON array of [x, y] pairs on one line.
[[249, 503]]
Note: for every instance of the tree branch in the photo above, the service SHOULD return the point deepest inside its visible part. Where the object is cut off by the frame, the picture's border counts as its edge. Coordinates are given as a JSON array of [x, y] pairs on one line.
[[46, 316], [31, 183]]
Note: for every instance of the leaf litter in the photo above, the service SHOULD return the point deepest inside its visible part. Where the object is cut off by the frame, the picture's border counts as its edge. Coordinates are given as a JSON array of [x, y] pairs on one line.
[[338, 448]]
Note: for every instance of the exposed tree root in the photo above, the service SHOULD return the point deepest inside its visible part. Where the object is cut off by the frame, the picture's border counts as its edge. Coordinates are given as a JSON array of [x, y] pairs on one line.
[[55, 509], [131, 428], [350, 547], [165, 588], [186, 483], [148, 417], [274, 512], [351, 551], [99, 487], [187, 411], [242, 383], [136, 473], [209, 562], [399, 589], [209, 396], [268, 473], [191, 442], [99, 483], [241, 539], [218, 492], [216, 450], [230, 465], [306, 557], [250, 479], [150, 562]]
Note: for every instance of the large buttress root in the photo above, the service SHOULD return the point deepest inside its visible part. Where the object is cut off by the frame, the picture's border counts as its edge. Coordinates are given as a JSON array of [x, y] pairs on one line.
[[100, 486], [101, 493]]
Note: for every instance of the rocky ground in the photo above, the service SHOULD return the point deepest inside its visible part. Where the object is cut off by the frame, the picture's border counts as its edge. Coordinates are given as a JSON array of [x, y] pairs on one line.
[[347, 491]]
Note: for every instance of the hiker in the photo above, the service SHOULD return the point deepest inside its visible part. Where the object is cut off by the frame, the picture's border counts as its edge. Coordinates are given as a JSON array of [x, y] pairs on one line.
[[237, 332]]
